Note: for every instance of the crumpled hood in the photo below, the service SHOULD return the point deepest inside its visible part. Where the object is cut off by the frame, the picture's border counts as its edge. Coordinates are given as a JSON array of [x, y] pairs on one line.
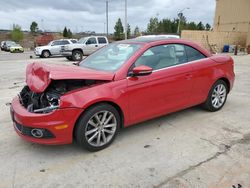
[[39, 75]]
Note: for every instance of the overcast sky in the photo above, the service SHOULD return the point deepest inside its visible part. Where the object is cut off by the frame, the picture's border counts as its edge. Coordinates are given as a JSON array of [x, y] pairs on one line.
[[89, 15]]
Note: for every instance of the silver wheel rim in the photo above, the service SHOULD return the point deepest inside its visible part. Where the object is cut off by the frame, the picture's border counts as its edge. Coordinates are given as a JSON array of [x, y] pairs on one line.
[[77, 56], [219, 96], [100, 128], [46, 54]]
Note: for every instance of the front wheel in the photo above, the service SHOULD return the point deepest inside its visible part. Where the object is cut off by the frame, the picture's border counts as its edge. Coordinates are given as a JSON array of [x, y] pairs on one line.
[[217, 96], [77, 55], [97, 127], [45, 53]]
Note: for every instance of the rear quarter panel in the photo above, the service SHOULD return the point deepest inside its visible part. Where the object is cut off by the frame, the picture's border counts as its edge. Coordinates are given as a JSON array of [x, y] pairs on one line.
[[207, 71]]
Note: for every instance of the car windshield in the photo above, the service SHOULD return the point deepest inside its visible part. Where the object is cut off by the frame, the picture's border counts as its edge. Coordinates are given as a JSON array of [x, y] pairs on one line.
[[110, 58], [82, 40], [49, 44], [10, 43]]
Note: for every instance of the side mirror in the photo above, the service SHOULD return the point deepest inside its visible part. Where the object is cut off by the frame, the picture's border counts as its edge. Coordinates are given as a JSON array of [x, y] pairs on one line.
[[142, 70]]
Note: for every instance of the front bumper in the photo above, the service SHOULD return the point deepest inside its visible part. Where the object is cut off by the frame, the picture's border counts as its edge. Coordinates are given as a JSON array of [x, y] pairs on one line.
[[25, 121], [37, 52]]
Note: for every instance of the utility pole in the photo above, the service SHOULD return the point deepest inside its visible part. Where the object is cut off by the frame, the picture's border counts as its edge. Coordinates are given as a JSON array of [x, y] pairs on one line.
[[126, 24], [107, 17], [180, 14]]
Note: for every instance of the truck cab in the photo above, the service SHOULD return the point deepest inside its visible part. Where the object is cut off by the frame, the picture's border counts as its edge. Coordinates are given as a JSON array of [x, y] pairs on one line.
[[85, 46]]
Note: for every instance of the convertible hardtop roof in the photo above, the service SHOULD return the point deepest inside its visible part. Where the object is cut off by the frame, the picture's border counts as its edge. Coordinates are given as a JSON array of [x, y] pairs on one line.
[[162, 40]]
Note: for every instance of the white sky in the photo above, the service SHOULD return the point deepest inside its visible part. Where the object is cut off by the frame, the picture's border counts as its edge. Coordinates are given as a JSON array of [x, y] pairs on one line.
[[90, 15]]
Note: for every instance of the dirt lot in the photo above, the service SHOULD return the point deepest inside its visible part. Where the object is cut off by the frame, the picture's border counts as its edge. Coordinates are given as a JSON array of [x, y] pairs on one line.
[[192, 148]]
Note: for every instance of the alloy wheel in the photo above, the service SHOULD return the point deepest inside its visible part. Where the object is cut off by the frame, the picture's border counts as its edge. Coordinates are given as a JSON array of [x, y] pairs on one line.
[[101, 128], [219, 95]]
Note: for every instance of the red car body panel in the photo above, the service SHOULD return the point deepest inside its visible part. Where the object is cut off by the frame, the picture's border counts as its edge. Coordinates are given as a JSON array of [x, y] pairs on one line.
[[39, 75], [138, 98]]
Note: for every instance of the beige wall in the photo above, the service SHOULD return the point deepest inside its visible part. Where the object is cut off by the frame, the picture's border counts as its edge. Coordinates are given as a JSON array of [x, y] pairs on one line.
[[232, 15], [213, 37]]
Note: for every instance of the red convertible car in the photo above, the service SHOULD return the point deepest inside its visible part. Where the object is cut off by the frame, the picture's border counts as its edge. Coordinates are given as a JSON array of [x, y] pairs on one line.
[[119, 85]]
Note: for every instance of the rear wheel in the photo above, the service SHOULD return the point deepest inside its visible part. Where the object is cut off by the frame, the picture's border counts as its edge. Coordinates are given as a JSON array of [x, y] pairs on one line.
[[45, 53], [217, 96], [77, 55], [97, 127]]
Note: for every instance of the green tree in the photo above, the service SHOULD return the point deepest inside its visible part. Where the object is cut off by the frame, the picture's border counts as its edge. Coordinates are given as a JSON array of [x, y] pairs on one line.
[[119, 31], [128, 31], [153, 26], [33, 27], [192, 26], [16, 33], [137, 31], [69, 33], [208, 26], [65, 32], [200, 26]]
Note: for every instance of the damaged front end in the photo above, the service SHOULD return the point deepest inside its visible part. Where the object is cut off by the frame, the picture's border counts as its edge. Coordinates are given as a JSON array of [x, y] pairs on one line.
[[49, 100]]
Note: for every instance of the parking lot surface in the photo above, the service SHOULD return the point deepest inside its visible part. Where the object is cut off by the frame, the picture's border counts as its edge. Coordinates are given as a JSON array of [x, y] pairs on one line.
[[191, 148]]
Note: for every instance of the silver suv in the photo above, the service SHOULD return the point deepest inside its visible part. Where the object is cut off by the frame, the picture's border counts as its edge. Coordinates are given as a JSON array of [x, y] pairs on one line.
[[53, 48], [85, 46]]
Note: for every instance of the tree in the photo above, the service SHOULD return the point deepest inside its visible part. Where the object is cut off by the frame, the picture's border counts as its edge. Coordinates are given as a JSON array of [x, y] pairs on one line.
[[153, 26], [69, 33], [137, 31], [128, 31], [200, 26], [208, 26], [192, 26], [33, 27], [65, 32], [118, 34], [16, 33]]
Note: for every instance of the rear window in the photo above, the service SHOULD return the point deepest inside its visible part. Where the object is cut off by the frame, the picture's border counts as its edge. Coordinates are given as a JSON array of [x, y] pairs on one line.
[[102, 40], [193, 54]]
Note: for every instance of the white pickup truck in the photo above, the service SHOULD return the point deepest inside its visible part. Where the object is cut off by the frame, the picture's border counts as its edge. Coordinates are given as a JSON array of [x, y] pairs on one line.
[[85, 46]]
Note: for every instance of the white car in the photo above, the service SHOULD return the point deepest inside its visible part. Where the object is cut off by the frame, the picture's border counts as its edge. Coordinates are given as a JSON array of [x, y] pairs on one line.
[[85, 46], [53, 48]]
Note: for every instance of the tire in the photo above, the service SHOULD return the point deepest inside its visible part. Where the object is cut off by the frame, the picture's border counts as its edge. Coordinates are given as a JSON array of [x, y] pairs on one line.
[[95, 133], [69, 58], [77, 55], [217, 96], [46, 53]]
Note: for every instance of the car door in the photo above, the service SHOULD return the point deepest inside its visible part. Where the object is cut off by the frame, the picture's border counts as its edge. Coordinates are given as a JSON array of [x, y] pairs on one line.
[[55, 47], [203, 69], [166, 90], [91, 46]]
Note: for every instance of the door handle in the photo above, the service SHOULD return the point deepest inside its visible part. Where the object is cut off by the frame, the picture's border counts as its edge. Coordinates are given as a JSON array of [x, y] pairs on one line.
[[96, 45], [188, 76]]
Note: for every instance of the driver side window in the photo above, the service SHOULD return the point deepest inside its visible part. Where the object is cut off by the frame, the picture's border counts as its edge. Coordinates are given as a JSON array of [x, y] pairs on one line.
[[162, 56]]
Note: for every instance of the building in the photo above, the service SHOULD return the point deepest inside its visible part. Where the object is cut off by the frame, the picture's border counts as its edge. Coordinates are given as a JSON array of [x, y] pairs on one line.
[[233, 15]]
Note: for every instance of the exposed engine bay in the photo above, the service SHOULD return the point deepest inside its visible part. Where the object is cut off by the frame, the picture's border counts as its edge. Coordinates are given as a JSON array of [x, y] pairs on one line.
[[49, 100]]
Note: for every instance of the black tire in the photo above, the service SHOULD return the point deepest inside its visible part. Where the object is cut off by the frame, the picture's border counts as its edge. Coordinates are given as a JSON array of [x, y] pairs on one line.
[[208, 105], [83, 126], [77, 55], [46, 53], [69, 58]]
